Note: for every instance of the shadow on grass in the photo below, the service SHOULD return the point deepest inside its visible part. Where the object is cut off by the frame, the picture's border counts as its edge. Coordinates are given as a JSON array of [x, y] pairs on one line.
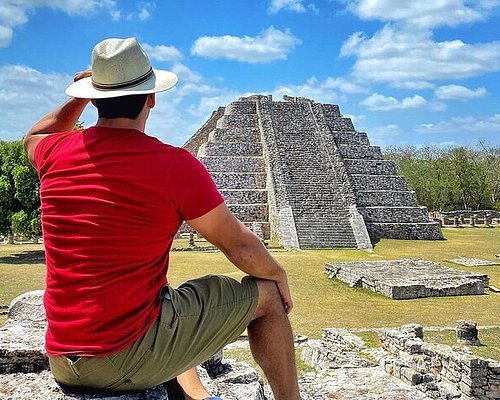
[[25, 257]]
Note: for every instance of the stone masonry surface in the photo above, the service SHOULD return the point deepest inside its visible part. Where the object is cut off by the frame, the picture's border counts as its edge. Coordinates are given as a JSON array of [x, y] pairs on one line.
[[408, 278], [406, 367], [326, 186]]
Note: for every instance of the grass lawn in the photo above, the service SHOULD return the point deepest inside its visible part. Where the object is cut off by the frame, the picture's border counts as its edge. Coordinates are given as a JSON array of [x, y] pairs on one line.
[[321, 302]]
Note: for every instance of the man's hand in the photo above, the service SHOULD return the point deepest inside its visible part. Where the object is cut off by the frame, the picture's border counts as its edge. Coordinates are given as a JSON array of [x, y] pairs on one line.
[[286, 297], [245, 250], [82, 74]]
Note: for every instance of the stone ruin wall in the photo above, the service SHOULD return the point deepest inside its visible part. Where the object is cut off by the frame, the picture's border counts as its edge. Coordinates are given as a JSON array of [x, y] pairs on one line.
[[440, 371], [300, 173], [430, 371]]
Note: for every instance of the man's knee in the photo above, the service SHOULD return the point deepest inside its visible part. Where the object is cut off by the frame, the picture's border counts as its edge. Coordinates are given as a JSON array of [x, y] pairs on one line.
[[269, 298]]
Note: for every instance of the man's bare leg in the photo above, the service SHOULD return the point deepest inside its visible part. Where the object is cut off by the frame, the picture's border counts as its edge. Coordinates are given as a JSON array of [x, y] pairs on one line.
[[191, 385], [271, 342]]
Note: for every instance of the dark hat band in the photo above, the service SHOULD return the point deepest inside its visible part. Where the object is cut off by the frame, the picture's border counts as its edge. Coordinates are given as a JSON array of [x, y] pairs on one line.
[[123, 85]]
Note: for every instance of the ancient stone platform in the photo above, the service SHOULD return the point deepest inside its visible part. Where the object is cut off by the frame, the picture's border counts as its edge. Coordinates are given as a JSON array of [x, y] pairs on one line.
[[408, 278], [472, 262]]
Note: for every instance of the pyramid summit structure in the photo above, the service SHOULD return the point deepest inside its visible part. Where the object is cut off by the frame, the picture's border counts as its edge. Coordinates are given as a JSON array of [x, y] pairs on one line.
[[300, 173]]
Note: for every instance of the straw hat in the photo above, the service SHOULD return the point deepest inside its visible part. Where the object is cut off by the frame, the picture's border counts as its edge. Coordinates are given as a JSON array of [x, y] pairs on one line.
[[120, 67]]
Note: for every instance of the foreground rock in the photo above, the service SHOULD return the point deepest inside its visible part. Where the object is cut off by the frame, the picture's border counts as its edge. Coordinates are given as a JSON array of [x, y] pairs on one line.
[[24, 366]]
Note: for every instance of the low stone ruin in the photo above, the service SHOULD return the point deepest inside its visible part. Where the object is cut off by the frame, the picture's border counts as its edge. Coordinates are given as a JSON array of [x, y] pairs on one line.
[[408, 278], [24, 366], [405, 367], [440, 371], [345, 370], [467, 218]]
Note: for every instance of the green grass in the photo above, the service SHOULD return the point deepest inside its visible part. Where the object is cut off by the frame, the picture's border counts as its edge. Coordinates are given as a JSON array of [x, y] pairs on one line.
[[320, 302]]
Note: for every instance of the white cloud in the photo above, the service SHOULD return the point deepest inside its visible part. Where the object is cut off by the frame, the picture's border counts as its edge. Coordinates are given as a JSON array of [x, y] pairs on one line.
[[379, 102], [457, 92], [25, 96], [161, 52], [144, 11], [14, 13], [5, 35], [385, 136], [311, 89], [290, 5], [186, 74], [270, 45], [343, 85], [462, 124], [407, 58], [423, 14]]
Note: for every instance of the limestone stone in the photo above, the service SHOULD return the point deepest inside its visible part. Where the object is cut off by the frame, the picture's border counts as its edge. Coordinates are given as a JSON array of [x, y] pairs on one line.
[[24, 367]]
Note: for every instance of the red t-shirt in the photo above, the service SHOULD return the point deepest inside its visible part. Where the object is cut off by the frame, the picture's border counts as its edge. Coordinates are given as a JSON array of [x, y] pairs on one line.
[[112, 202]]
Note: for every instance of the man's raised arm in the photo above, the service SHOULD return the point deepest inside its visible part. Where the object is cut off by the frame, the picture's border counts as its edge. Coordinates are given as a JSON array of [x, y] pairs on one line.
[[63, 118], [244, 249]]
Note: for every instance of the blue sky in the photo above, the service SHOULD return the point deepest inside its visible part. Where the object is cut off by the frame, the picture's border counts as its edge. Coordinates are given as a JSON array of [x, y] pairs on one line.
[[407, 72]]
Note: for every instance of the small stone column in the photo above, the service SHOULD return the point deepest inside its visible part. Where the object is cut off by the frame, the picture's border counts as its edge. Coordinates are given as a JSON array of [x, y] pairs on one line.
[[488, 220], [192, 245], [473, 220], [467, 333]]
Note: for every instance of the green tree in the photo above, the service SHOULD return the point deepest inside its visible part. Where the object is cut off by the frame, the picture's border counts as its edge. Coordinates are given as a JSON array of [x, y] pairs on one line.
[[451, 179], [19, 201]]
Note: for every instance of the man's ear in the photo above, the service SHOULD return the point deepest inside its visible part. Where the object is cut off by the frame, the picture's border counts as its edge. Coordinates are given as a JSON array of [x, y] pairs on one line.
[[151, 100]]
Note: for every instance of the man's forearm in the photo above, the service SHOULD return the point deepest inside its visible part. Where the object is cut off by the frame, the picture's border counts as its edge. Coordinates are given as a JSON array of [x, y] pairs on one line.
[[61, 119], [253, 258]]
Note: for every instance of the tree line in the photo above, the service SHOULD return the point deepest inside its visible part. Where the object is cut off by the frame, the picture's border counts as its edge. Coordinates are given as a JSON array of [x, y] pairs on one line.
[[19, 200], [456, 178]]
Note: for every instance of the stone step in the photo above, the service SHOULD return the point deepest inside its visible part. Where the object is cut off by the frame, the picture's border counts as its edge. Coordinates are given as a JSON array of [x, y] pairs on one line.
[[242, 107], [369, 152], [401, 230], [239, 180], [378, 182], [356, 138], [234, 135], [386, 198], [230, 149], [331, 111], [250, 212], [238, 121], [341, 125], [233, 164], [370, 167], [394, 214], [244, 196]]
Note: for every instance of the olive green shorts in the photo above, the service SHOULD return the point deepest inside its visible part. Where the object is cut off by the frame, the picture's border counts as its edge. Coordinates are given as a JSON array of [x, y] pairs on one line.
[[196, 320]]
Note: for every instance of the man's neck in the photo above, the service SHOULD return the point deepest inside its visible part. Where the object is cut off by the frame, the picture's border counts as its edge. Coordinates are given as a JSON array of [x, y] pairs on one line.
[[122, 123]]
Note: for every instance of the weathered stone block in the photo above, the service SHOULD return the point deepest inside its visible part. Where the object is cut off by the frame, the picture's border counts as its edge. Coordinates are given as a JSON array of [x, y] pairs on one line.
[[407, 279]]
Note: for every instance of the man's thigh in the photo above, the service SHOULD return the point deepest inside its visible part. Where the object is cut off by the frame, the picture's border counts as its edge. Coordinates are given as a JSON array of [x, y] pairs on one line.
[[197, 319]]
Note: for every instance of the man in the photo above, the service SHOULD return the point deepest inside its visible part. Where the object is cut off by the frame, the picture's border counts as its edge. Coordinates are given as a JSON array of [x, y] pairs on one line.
[[113, 199]]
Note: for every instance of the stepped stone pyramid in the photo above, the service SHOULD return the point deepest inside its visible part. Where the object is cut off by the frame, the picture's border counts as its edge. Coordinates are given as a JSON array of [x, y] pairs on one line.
[[298, 172]]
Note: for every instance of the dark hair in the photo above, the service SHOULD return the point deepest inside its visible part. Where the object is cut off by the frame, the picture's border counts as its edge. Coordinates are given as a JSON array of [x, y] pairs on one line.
[[121, 107]]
